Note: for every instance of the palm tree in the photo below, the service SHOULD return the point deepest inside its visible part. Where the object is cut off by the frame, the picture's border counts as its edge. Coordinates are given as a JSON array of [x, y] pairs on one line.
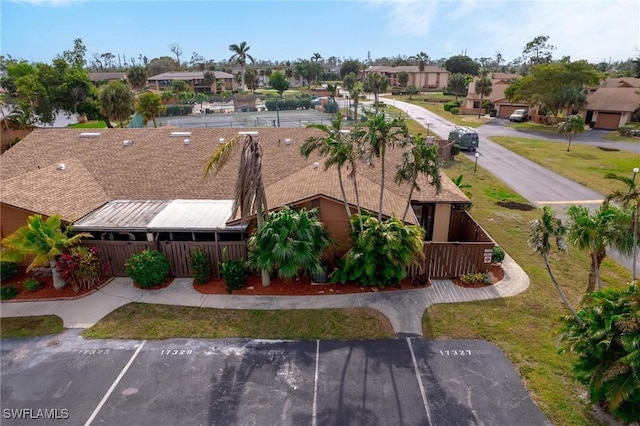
[[484, 88], [382, 133], [375, 84], [116, 102], [419, 159], [240, 57], [458, 84], [570, 127], [627, 198], [541, 231], [150, 106], [330, 146], [421, 59], [43, 241], [607, 227], [137, 77], [249, 195]]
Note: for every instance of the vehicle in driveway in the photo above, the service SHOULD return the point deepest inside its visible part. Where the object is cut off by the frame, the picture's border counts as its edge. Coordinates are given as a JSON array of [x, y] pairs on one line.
[[466, 137], [519, 115]]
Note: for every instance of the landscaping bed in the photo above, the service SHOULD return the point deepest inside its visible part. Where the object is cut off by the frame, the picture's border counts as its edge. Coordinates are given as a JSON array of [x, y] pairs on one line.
[[46, 290]]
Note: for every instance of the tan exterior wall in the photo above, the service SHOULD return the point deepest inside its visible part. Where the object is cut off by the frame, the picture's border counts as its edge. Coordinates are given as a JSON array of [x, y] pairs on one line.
[[12, 219], [441, 221]]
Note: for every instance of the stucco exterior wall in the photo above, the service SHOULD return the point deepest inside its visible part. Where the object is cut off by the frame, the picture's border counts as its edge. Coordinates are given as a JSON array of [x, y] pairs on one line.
[[12, 219]]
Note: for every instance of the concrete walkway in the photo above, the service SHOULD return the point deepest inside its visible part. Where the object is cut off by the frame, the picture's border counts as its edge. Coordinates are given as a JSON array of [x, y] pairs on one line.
[[404, 309]]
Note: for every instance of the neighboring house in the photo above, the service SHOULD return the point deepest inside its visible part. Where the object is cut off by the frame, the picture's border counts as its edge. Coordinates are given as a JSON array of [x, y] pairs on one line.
[[195, 80], [610, 107], [99, 78], [11, 134], [621, 82], [141, 188], [432, 77], [503, 107]]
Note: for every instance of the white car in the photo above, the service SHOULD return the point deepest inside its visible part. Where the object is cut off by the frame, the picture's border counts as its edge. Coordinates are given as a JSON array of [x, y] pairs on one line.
[[519, 115]]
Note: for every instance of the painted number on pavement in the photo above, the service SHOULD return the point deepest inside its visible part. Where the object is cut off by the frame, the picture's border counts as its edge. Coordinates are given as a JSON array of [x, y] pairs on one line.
[[456, 352], [176, 352], [92, 351]]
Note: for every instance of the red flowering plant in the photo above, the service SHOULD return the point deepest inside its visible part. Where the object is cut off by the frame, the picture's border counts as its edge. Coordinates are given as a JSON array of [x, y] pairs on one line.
[[81, 267]]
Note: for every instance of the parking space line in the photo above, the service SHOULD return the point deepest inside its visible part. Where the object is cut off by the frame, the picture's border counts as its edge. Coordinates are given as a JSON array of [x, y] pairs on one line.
[[314, 419], [422, 390], [114, 384]]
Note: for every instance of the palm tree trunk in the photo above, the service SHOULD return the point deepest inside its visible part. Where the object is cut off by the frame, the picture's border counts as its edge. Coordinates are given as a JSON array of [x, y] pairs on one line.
[[58, 282], [593, 274], [355, 188], [264, 273], [153, 117], [382, 149], [560, 292], [406, 209], [344, 197], [480, 106]]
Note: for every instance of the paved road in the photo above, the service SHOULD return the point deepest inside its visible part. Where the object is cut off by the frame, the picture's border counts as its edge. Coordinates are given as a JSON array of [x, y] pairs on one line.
[[535, 183], [248, 382]]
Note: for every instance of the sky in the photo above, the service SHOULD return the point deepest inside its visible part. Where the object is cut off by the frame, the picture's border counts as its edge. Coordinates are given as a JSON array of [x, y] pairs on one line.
[[594, 30]]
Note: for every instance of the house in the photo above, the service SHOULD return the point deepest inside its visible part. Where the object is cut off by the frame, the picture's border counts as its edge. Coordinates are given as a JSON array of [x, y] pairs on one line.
[[611, 106], [141, 188], [99, 78], [503, 107], [223, 81], [621, 82], [432, 77]]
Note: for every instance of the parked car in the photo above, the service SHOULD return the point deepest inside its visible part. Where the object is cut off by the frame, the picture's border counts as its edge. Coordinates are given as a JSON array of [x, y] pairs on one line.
[[519, 115], [466, 137]]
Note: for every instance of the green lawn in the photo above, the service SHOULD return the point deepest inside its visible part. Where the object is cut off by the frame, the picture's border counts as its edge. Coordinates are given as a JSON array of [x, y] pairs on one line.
[[98, 124], [30, 326], [144, 321], [584, 164], [525, 327]]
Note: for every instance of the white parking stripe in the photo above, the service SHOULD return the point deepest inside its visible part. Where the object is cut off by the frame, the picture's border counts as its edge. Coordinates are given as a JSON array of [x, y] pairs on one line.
[[113, 386], [314, 420], [422, 390]]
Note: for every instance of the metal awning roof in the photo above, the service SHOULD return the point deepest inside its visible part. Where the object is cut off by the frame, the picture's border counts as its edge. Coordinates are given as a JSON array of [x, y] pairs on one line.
[[160, 215]]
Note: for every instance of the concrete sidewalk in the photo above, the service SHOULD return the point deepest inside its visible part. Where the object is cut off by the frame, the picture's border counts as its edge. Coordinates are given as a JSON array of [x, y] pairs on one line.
[[404, 309]]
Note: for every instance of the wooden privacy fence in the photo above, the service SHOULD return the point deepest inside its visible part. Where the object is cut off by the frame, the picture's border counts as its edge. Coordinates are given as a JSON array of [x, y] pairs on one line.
[[449, 260], [115, 253]]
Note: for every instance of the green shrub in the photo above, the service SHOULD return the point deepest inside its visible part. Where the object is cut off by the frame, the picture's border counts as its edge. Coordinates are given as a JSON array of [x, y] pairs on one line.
[[81, 267], [8, 270], [176, 110], [454, 110], [448, 105], [148, 268], [498, 254], [472, 278], [32, 284], [456, 149], [331, 107], [630, 130], [8, 292], [200, 269], [234, 274], [487, 278]]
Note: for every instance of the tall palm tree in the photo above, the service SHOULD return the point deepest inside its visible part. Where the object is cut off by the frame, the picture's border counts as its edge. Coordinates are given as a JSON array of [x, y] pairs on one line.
[[376, 83], [330, 146], [41, 240], [116, 102], [421, 59], [249, 195], [626, 198], [570, 127], [484, 88], [380, 134], [150, 106], [607, 227], [419, 159], [137, 77], [240, 57], [541, 232]]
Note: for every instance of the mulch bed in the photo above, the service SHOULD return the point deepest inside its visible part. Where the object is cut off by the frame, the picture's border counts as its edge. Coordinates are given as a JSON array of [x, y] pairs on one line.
[[497, 273], [46, 290]]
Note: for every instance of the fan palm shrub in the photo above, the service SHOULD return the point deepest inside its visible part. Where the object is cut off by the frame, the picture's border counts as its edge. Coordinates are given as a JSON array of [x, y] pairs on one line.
[[290, 242]]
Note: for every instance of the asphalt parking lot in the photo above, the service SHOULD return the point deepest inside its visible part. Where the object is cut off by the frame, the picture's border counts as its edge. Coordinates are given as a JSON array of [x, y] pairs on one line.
[[72, 381]]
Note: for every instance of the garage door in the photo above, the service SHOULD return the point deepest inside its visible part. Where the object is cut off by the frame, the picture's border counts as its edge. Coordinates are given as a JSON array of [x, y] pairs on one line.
[[506, 110], [608, 120]]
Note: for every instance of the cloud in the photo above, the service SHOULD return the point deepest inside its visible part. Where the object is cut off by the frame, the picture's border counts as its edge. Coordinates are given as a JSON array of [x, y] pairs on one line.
[[408, 17], [54, 3]]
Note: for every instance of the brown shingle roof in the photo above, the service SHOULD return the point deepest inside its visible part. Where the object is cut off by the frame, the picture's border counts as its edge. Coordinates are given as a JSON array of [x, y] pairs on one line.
[[68, 190], [158, 166], [406, 68], [614, 99], [621, 82], [187, 75]]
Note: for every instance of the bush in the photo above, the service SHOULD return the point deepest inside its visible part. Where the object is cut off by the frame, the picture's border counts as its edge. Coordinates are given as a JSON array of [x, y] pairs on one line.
[[8, 292], [448, 105], [631, 130], [148, 268], [200, 269], [234, 274], [32, 284], [8, 270], [80, 267], [176, 110], [456, 149], [454, 110], [472, 278], [498, 254]]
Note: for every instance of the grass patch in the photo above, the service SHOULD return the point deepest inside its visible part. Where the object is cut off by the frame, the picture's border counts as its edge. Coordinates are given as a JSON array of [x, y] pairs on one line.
[[534, 126], [584, 164], [525, 326], [89, 125], [148, 321], [617, 137], [35, 326]]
